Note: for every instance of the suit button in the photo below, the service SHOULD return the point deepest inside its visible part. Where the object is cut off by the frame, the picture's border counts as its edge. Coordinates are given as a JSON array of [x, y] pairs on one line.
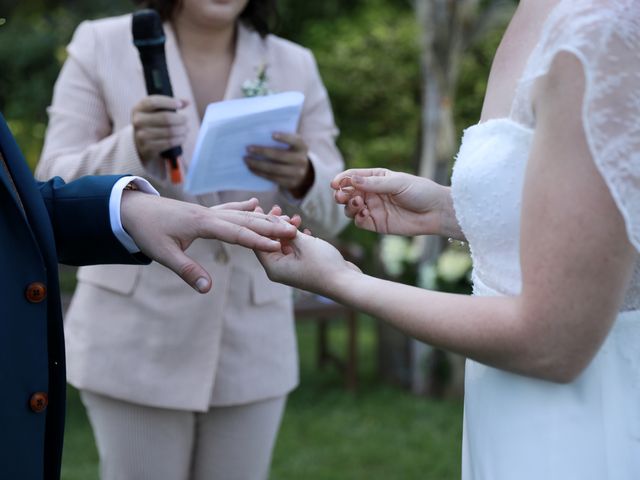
[[222, 257], [38, 402], [36, 292]]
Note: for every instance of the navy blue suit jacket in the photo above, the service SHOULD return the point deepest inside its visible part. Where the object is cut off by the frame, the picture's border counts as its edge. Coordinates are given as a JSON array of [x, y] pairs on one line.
[[57, 222]]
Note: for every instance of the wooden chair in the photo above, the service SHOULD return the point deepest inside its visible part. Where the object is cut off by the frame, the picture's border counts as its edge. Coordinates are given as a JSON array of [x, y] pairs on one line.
[[325, 311]]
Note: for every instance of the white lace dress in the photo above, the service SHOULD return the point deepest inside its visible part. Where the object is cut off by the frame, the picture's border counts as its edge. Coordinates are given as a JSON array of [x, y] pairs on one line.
[[520, 428]]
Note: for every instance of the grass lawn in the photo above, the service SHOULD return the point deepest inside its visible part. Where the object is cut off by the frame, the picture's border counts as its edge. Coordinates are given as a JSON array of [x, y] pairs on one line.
[[380, 432]]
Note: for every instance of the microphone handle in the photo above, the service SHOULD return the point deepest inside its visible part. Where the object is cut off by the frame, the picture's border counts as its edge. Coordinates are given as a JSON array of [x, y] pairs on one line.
[[156, 77]]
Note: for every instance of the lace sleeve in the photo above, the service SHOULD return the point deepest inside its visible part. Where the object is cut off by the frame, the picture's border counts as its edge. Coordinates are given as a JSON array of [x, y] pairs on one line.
[[605, 36]]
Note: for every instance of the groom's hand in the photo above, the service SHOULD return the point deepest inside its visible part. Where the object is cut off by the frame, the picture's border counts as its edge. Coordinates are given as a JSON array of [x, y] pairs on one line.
[[163, 228]]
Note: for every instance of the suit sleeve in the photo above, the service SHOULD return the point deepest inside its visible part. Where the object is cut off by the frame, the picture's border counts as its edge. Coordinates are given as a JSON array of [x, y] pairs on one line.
[[79, 213]]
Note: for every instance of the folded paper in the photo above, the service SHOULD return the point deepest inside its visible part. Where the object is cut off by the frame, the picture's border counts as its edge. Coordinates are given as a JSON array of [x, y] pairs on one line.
[[227, 129]]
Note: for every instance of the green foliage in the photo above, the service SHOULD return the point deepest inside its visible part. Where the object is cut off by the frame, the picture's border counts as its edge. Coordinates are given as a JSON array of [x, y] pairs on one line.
[[370, 65], [296, 16], [27, 53], [32, 50], [367, 51]]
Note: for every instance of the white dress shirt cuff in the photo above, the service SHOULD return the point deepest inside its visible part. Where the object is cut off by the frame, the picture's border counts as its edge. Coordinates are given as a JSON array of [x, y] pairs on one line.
[[114, 209]]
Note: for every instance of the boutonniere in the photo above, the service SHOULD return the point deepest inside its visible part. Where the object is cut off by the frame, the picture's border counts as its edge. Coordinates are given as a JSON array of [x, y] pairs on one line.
[[259, 86]]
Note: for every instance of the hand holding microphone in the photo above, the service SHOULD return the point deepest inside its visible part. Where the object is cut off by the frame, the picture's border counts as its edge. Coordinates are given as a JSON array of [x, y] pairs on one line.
[[158, 129]]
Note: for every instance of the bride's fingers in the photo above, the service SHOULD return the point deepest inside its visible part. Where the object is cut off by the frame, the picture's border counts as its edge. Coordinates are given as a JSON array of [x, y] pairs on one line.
[[343, 197], [357, 202], [350, 212], [296, 220], [287, 249], [289, 246], [339, 179], [378, 184], [275, 210], [354, 207], [340, 197], [364, 220]]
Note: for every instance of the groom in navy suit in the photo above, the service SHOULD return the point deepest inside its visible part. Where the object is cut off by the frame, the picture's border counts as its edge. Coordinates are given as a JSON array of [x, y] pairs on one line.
[[39, 225], [43, 223]]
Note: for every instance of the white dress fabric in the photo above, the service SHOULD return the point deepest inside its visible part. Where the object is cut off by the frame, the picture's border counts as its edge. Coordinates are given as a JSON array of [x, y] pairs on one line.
[[516, 427]]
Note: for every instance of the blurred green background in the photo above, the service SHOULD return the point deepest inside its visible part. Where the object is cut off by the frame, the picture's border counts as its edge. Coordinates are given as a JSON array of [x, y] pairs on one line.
[[368, 54]]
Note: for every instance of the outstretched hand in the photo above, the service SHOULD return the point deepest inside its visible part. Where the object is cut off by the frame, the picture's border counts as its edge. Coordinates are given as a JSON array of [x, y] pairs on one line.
[[385, 201], [164, 228], [305, 262]]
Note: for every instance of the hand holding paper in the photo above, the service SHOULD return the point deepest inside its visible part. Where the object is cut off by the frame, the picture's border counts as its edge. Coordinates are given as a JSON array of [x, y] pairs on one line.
[[228, 128], [289, 168]]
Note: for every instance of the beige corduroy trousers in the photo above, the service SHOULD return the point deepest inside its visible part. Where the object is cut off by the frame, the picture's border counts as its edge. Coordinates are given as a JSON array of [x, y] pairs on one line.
[[137, 442]]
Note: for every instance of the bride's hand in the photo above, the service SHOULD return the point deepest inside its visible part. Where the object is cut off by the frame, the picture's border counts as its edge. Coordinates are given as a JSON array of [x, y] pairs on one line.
[[385, 201], [306, 262]]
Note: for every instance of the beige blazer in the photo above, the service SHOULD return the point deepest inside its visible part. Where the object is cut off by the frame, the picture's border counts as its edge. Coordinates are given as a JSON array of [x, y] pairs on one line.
[[138, 333]]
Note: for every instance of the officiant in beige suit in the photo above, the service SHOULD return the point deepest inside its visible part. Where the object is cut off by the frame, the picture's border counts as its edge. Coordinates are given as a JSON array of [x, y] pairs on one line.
[[179, 385]]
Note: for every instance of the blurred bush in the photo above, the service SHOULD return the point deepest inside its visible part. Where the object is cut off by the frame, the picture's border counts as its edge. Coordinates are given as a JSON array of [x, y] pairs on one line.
[[367, 51], [33, 36]]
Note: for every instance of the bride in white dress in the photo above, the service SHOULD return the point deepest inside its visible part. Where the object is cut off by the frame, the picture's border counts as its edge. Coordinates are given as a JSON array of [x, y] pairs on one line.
[[546, 190]]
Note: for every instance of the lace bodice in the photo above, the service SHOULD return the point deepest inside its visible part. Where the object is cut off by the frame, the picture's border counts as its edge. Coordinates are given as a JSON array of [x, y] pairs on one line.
[[489, 171]]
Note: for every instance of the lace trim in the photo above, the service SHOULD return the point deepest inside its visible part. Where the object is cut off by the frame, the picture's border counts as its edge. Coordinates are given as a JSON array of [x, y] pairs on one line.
[[605, 37]]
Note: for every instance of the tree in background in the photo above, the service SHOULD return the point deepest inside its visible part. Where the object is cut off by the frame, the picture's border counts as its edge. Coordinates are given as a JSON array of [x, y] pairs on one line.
[[392, 80]]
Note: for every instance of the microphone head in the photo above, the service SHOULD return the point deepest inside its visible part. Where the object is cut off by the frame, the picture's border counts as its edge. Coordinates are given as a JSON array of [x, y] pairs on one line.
[[146, 26]]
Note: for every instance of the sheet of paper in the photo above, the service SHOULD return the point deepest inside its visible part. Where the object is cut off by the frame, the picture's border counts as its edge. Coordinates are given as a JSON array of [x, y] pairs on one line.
[[227, 129]]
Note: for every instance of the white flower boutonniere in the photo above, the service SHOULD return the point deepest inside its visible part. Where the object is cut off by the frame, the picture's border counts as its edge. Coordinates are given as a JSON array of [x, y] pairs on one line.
[[258, 86]]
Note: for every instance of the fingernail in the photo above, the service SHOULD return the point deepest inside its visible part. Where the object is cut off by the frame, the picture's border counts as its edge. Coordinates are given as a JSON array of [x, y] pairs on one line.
[[202, 284]]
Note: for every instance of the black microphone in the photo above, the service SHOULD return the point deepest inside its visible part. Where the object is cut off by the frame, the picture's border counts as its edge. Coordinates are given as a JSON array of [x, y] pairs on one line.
[[148, 37]]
